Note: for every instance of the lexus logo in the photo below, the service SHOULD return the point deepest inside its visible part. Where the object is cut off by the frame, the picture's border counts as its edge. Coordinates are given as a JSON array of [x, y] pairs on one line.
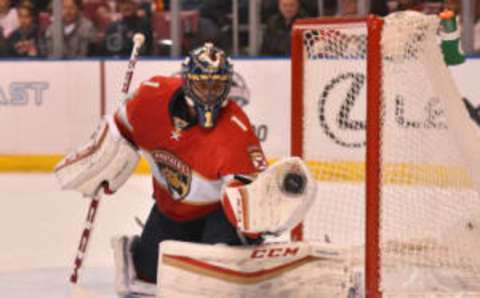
[[341, 95], [342, 110]]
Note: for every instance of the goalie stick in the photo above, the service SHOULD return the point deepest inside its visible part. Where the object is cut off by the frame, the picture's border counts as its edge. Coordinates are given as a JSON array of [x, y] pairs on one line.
[[138, 40]]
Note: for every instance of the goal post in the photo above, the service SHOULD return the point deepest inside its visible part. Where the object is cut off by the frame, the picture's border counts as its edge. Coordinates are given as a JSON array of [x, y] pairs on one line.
[[373, 157], [377, 117]]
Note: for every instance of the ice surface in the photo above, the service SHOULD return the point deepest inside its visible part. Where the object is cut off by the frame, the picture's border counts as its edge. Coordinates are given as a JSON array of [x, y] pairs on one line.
[[53, 283], [40, 227]]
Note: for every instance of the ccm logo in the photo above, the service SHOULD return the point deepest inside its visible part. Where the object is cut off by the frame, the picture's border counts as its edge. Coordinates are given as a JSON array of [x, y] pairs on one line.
[[274, 252]]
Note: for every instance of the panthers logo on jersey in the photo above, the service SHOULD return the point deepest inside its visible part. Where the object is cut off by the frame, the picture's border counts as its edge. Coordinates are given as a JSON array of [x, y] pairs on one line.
[[258, 158], [176, 173]]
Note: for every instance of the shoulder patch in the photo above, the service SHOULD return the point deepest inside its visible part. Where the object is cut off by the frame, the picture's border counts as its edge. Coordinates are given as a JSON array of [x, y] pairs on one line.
[[258, 158]]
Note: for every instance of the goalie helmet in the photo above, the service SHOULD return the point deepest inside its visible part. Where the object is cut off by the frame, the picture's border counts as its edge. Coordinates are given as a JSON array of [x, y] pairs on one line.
[[207, 79]]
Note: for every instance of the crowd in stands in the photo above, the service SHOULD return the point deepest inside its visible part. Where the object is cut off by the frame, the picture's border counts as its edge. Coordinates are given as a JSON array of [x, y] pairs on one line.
[[105, 27]]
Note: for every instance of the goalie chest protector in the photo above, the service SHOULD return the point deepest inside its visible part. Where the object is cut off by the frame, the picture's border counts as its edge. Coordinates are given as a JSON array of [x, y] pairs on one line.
[[189, 166]]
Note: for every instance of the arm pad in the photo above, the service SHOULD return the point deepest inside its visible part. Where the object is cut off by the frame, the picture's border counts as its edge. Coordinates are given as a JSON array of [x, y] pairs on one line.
[[107, 160]]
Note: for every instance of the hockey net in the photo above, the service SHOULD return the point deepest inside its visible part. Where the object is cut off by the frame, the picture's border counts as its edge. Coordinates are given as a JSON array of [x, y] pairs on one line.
[[412, 161]]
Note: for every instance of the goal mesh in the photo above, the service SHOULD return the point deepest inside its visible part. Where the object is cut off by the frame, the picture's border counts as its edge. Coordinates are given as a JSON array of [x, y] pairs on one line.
[[428, 184]]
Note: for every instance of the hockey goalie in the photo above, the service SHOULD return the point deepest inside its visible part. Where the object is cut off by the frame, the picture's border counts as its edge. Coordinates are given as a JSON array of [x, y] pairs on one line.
[[211, 184]]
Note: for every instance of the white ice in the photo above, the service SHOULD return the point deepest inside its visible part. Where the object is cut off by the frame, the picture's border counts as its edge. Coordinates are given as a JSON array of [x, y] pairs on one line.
[[40, 228]]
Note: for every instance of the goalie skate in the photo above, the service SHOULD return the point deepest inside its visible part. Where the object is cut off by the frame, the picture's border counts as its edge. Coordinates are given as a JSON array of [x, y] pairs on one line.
[[127, 284]]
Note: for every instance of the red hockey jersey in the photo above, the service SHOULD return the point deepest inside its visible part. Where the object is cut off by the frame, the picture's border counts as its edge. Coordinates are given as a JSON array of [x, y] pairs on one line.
[[189, 166]]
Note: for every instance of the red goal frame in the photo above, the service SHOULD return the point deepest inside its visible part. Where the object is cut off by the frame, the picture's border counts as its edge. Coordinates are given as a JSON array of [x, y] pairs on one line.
[[373, 132]]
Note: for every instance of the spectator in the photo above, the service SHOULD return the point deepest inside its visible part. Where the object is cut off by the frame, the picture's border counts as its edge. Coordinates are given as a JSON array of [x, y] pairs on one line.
[[379, 7], [453, 5], [3, 45], [215, 22], [101, 18], [26, 40], [476, 30], [42, 5], [164, 5], [8, 18], [144, 9], [158, 6], [276, 37], [311, 6], [408, 4], [270, 7], [434, 6], [191, 4], [392, 5], [79, 34], [39, 5], [348, 7], [119, 34]]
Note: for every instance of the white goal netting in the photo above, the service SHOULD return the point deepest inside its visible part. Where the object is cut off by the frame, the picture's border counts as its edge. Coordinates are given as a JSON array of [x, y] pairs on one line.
[[429, 184]]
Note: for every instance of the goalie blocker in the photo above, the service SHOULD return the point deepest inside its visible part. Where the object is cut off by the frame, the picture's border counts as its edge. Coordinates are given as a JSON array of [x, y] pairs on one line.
[[107, 161]]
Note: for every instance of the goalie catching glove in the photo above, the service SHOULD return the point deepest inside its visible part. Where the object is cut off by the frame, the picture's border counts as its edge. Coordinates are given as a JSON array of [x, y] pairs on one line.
[[274, 202], [107, 161]]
